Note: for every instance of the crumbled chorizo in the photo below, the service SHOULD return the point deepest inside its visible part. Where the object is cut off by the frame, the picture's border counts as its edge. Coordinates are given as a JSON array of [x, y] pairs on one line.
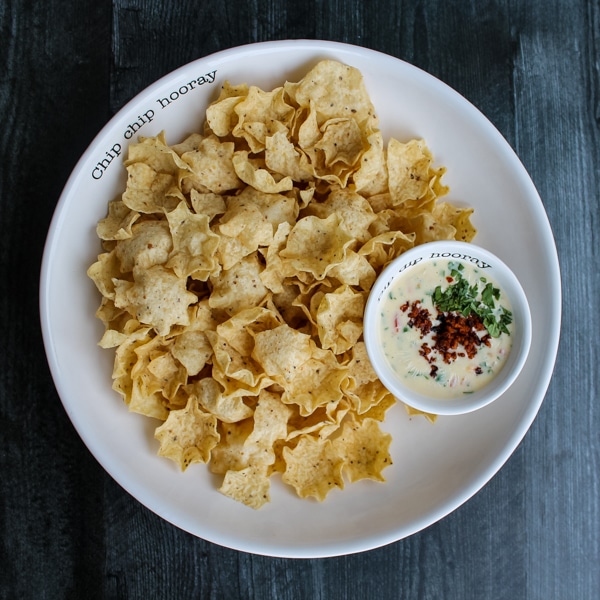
[[419, 318], [454, 334]]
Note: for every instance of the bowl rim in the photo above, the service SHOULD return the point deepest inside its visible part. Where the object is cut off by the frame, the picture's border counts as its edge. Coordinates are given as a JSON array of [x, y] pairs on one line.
[[503, 276]]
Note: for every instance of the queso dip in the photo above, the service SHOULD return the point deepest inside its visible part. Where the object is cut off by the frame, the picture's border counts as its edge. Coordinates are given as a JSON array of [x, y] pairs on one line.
[[445, 328]]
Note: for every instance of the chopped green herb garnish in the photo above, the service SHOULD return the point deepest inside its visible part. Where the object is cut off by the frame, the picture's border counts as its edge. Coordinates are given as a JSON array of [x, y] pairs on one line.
[[463, 298]]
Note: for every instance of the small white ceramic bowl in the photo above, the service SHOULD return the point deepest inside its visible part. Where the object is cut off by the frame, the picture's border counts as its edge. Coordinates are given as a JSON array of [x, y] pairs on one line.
[[496, 270]]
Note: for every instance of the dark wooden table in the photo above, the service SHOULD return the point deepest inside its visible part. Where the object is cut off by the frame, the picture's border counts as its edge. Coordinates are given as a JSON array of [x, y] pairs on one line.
[[68, 530]]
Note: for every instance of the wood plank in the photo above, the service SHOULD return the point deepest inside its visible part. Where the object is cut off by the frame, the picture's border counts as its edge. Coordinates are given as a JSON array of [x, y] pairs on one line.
[[53, 99], [557, 134]]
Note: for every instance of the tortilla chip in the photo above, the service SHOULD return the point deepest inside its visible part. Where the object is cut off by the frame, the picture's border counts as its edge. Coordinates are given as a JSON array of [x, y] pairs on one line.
[[313, 468], [188, 435]]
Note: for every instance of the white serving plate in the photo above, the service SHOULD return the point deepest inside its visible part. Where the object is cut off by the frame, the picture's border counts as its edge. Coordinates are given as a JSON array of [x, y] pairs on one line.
[[436, 467]]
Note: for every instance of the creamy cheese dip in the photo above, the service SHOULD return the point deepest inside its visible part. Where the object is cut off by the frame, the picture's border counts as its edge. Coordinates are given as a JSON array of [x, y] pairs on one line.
[[428, 340]]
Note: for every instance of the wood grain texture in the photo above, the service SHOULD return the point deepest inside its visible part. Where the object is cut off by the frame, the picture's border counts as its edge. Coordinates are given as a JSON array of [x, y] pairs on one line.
[[68, 530]]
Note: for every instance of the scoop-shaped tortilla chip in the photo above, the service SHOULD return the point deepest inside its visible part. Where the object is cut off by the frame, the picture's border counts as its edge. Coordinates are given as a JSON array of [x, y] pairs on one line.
[[313, 468], [339, 319], [195, 246], [316, 245], [157, 297], [365, 449], [188, 435]]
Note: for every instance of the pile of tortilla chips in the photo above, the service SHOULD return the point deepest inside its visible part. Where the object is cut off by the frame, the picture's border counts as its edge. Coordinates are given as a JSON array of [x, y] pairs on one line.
[[234, 274]]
